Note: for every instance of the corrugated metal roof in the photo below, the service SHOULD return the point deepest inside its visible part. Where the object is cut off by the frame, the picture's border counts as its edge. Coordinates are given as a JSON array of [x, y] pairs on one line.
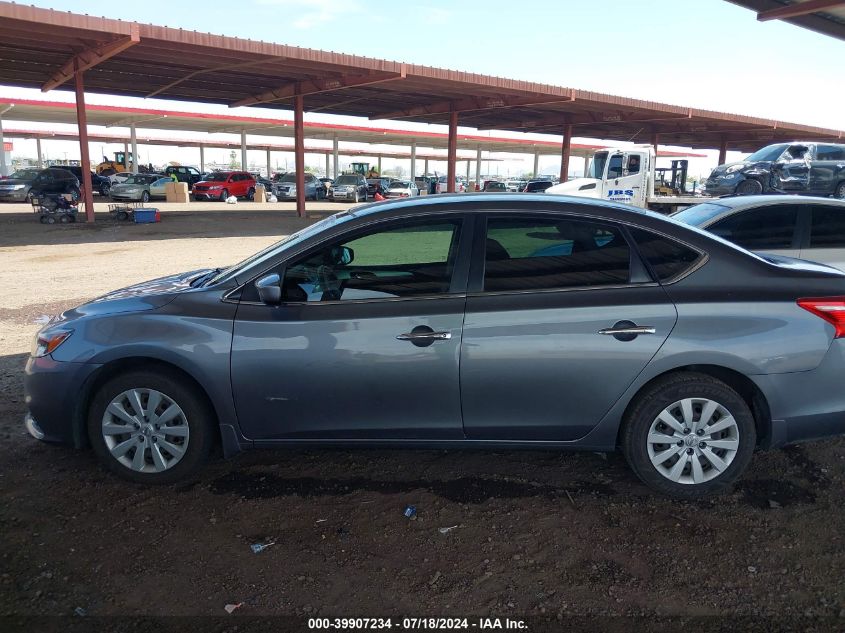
[[822, 16], [201, 67]]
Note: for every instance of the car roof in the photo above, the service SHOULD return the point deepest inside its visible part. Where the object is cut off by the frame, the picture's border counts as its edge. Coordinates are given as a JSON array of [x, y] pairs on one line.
[[740, 202]]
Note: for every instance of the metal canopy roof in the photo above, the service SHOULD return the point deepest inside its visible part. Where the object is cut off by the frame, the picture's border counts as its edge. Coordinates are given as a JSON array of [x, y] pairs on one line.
[[823, 16], [38, 48], [119, 116]]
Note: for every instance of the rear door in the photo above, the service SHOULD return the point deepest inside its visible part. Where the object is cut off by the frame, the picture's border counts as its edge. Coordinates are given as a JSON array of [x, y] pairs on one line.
[[826, 240], [827, 169], [545, 353], [771, 228]]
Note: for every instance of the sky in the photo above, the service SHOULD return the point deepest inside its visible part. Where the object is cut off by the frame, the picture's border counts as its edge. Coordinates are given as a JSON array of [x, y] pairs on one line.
[[698, 53]]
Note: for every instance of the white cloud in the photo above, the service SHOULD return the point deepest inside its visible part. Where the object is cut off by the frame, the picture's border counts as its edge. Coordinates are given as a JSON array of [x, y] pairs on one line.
[[308, 14]]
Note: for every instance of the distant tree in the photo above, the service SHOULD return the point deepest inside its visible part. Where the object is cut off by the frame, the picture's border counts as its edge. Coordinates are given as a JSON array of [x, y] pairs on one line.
[[396, 172], [233, 160]]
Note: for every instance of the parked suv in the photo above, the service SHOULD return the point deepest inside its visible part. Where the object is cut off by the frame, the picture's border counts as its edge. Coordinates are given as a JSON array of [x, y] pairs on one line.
[[55, 180], [222, 184], [804, 168], [350, 187], [284, 187], [99, 184], [190, 175]]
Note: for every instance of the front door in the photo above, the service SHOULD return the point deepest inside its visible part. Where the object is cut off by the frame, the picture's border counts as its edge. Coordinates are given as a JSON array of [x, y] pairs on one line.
[[560, 321], [791, 173], [366, 341]]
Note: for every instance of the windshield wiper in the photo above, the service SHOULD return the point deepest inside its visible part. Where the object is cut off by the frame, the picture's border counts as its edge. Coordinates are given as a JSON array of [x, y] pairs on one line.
[[200, 280]]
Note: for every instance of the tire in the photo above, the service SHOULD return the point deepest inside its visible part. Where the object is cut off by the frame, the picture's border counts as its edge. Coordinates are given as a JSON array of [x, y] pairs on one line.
[[839, 191], [122, 215], [224, 195], [194, 426], [357, 197], [105, 188], [145, 196], [64, 219], [51, 219], [42, 219], [749, 187], [250, 195], [646, 419]]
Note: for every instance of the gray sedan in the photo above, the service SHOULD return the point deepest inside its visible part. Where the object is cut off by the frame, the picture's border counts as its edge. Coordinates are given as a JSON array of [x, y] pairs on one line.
[[16, 187], [791, 226], [140, 187], [458, 321]]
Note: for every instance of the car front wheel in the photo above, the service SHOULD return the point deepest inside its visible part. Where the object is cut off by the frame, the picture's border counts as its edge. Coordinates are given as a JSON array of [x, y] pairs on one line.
[[150, 427], [689, 435], [749, 187], [839, 192]]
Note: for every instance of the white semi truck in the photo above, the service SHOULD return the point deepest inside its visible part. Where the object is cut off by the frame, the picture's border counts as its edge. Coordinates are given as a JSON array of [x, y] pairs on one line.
[[630, 175]]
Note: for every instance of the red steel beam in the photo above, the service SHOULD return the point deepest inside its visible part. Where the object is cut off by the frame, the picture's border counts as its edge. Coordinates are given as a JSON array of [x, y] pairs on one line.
[[316, 86], [452, 152], [655, 140], [798, 9], [473, 104], [89, 58], [82, 123], [723, 151], [299, 153], [565, 151]]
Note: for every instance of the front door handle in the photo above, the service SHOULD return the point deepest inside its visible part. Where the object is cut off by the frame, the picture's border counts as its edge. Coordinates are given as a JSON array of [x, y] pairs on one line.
[[627, 330]]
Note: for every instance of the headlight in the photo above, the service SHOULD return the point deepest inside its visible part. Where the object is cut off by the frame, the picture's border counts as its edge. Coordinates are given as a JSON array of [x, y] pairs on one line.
[[216, 187], [734, 168], [48, 342]]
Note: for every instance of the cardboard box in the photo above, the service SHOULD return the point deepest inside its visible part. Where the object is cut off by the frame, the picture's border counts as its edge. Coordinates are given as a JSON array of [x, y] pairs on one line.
[[176, 192]]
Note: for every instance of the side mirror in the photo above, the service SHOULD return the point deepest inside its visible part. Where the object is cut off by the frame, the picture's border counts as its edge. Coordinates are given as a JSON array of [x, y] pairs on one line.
[[342, 256], [270, 289]]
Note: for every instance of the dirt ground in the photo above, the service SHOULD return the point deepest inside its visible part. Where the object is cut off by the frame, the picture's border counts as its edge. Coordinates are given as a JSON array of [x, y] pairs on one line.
[[535, 533]]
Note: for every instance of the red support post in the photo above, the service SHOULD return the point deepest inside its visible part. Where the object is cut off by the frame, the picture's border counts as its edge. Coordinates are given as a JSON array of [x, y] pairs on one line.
[[723, 151], [82, 124], [299, 153], [655, 140], [453, 152], [565, 151]]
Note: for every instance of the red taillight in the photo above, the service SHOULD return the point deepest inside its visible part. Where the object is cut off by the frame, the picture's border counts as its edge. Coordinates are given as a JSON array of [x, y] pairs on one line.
[[404, 195], [831, 309]]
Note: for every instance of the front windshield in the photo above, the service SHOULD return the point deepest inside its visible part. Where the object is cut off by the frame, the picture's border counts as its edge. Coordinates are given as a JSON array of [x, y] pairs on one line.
[[768, 153], [700, 214], [288, 178], [399, 184], [25, 174], [217, 177], [346, 180], [288, 241], [597, 166]]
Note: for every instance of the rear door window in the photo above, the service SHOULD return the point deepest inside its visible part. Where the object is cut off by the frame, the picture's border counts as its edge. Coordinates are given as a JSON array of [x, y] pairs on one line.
[[761, 228], [828, 227], [549, 253]]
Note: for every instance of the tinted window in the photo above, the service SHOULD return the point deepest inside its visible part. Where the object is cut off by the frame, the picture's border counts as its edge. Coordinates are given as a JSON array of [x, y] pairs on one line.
[[410, 261], [633, 164], [759, 229], [768, 153], [666, 257], [538, 186], [830, 152], [699, 214], [828, 228], [538, 254]]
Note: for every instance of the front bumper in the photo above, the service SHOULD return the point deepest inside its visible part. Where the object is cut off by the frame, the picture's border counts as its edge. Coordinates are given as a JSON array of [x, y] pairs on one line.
[[132, 197], [719, 187], [205, 195], [54, 393]]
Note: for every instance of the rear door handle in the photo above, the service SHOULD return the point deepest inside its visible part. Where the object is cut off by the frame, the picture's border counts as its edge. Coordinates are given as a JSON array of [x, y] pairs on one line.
[[635, 330], [425, 336]]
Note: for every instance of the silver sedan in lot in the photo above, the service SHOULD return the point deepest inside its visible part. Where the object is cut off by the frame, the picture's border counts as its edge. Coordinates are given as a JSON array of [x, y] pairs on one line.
[[140, 187], [402, 189], [459, 321]]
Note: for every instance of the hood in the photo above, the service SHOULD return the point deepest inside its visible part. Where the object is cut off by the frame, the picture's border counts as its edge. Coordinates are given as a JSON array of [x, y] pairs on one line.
[[125, 185], [583, 187], [742, 164], [148, 295]]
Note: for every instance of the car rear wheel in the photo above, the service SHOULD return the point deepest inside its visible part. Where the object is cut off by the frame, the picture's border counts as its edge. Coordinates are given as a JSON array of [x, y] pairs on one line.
[[150, 427], [689, 435], [250, 195], [839, 191], [749, 187]]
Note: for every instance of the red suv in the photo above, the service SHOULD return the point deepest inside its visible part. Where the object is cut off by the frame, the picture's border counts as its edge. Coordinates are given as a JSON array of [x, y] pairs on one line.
[[222, 184]]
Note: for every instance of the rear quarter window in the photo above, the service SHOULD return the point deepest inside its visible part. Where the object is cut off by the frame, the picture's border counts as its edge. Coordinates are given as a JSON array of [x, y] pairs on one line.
[[667, 258]]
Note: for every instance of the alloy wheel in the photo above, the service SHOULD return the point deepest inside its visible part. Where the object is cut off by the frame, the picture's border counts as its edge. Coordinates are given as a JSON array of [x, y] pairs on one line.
[[693, 441], [145, 430]]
